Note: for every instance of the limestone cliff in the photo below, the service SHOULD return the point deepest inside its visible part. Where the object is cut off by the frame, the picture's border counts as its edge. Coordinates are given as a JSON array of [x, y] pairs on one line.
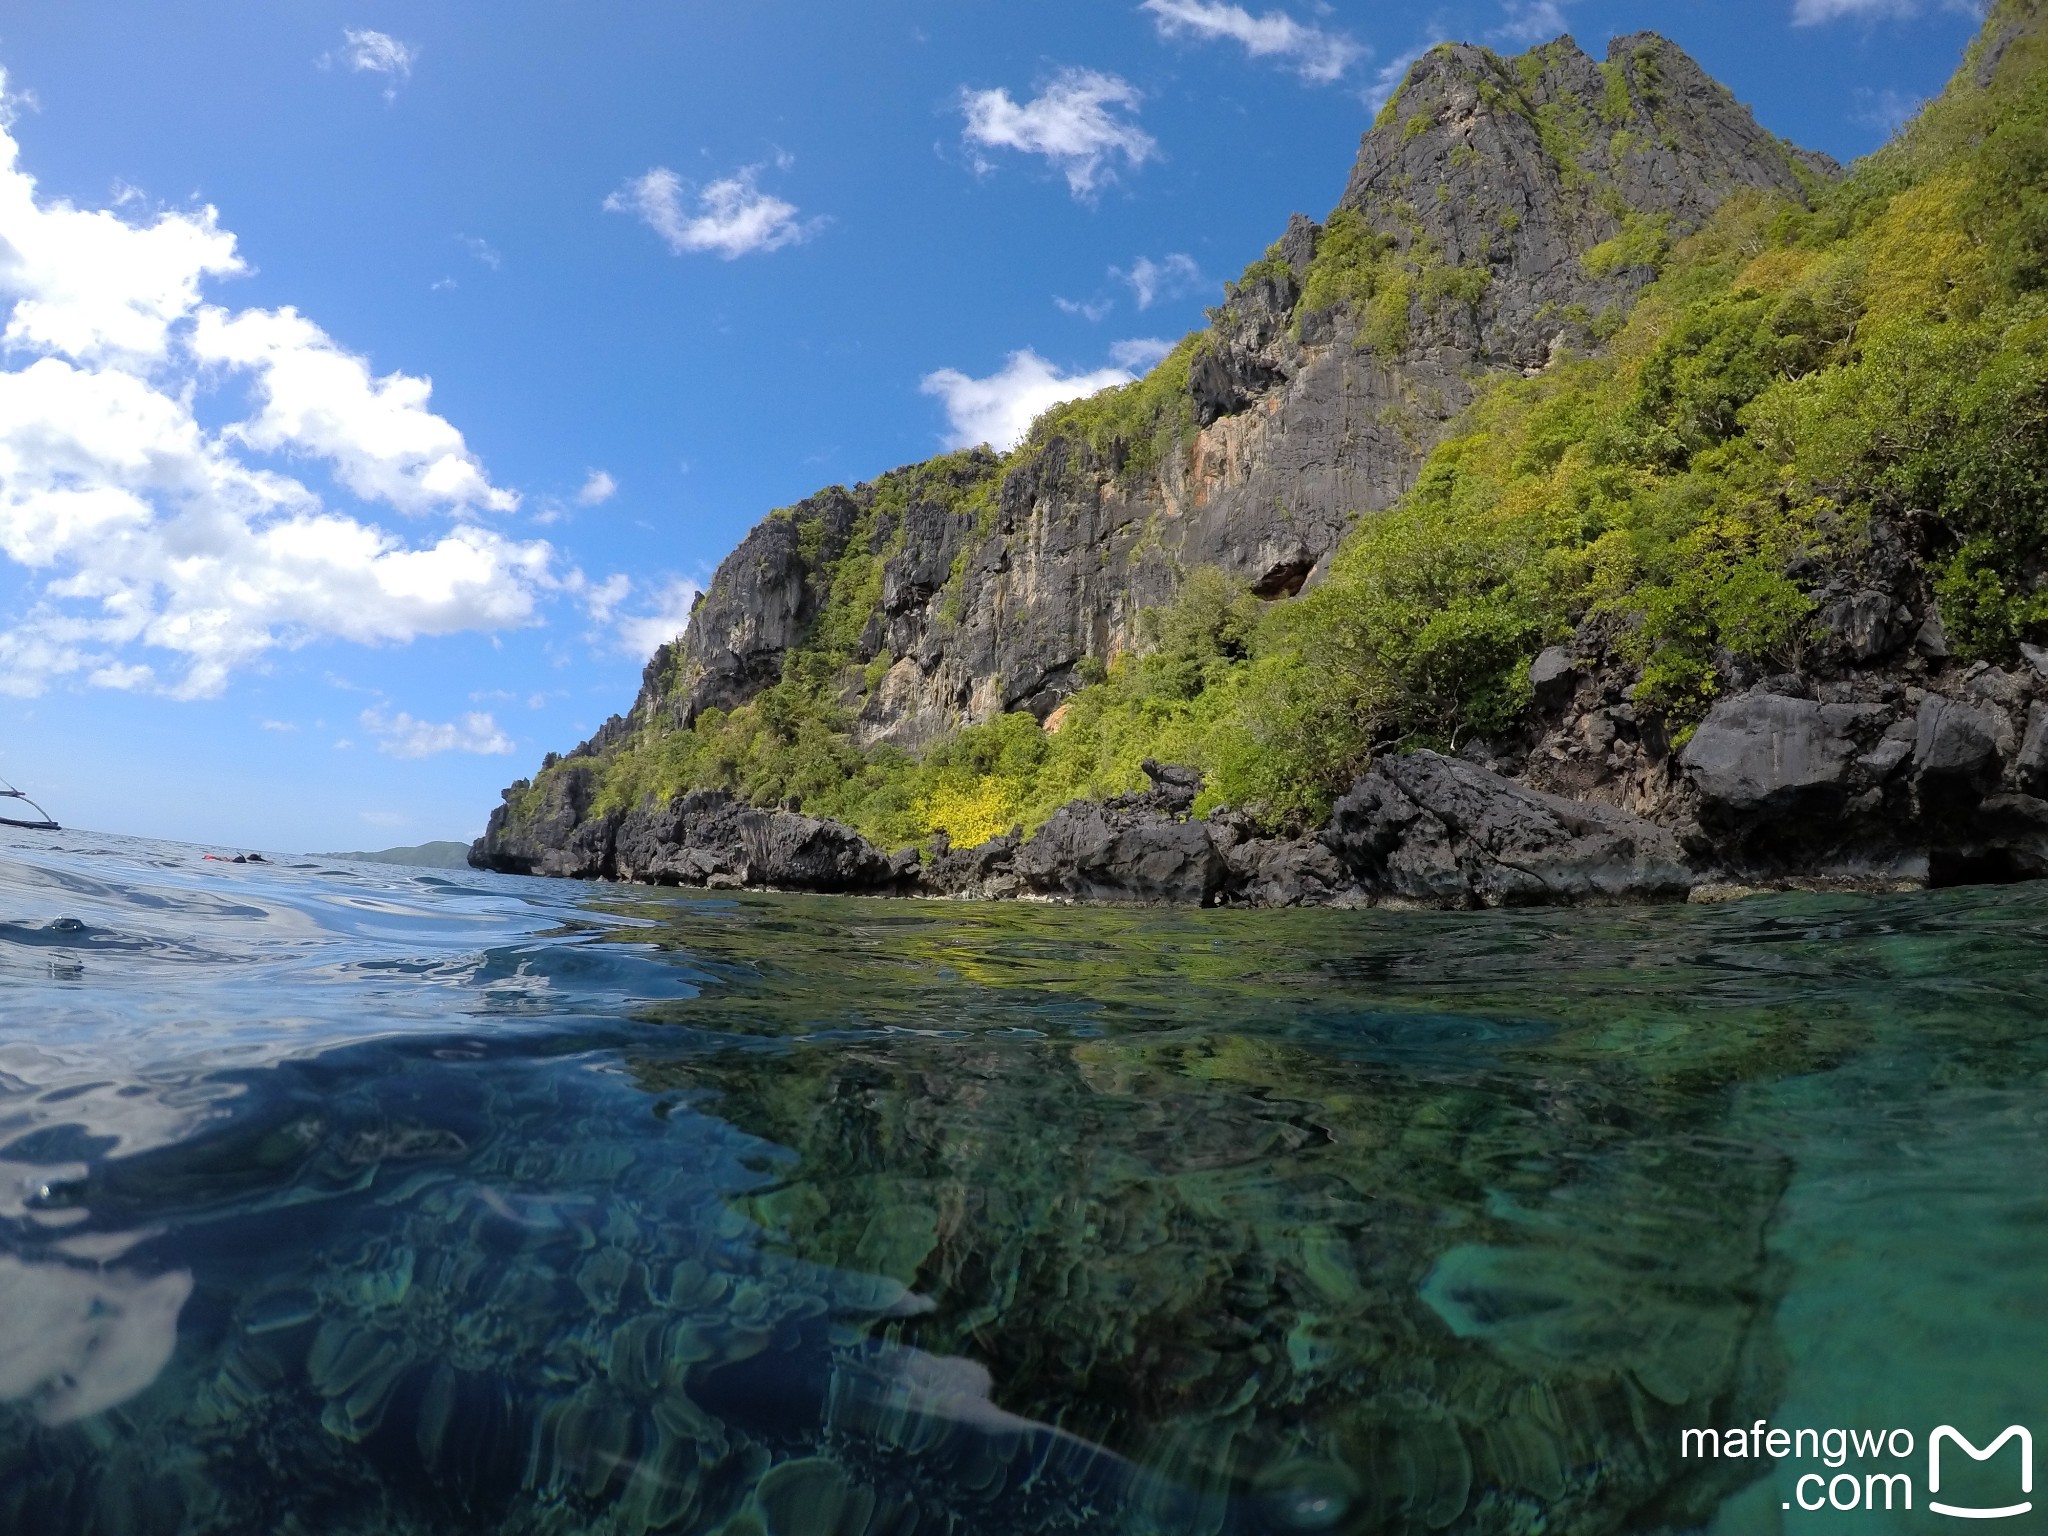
[[1753, 596], [1509, 209]]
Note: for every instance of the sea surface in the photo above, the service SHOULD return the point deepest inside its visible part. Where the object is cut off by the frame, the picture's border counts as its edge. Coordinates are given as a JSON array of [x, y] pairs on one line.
[[340, 1198]]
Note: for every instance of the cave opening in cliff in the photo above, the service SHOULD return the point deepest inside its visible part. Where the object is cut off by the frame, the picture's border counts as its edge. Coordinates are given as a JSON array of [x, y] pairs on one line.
[[1284, 580]]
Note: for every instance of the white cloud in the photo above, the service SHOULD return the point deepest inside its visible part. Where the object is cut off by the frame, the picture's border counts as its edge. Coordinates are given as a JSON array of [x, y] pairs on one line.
[[1076, 123], [1091, 310], [400, 735], [1317, 55], [642, 634], [89, 284], [483, 251], [1169, 278], [732, 217], [1139, 353], [279, 725], [157, 545], [122, 676], [999, 409], [601, 598], [1532, 21], [379, 53], [1808, 13], [599, 487], [383, 442]]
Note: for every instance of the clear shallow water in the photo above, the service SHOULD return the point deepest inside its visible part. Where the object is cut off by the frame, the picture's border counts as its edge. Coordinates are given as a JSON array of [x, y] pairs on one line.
[[337, 1198]]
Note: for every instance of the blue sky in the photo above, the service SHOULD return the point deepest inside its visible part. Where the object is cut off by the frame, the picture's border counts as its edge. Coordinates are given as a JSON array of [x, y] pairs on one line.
[[665, 266]]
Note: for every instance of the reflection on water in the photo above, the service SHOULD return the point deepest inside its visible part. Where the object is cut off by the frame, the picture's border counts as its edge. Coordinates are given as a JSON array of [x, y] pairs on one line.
[[74, 1342], [339, 1199]]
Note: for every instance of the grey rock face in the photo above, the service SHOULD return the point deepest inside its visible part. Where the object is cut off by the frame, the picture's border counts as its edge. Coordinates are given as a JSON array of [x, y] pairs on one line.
[[985, 872], [1997, 687], [1993, 52], [1274, 872], [1955, 752], [706, 839], [1932, 639], [2032, 762], [1464, 131], [1885, 759], [1865, 625], [1433, 829], [763, 600], [709, 838], [1768, 753], [1090, 852], [1172, 791], [1135, 849], [559, 838], [2006, 839], [1551, 676]]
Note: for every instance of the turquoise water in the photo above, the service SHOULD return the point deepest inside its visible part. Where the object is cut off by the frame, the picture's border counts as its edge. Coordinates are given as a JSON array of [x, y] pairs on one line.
[[337, 1198]]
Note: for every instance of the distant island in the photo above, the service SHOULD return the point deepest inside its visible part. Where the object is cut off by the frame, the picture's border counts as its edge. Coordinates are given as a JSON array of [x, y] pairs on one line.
[[423, 856]]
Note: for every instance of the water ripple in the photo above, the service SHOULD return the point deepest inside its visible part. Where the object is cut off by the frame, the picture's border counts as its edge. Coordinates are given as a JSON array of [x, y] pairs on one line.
[[351, 1198]]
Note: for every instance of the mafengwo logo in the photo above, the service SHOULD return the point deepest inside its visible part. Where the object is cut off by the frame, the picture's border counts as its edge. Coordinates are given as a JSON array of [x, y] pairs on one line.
[[1954, 1437], [1842, 1488]]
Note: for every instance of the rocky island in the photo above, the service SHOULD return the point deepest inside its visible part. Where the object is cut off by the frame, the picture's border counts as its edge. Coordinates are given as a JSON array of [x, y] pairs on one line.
[[1608, 501]]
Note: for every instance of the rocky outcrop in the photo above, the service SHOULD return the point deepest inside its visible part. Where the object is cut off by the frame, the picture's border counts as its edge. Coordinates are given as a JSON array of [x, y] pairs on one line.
[[1142, 849], [1280, 872], [2030, 768], [1418, 830], [1526, 161], [1422, 829], [1091, 852], [765, 601], [555, 835], [1433, 829], [709, 838], [1903, 785], [1765, 758], [706, 838], [1956, 756]]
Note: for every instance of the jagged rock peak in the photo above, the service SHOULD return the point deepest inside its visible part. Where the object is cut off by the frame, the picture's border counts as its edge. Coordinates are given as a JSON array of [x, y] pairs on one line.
[[1519, 167], [1649, 120]]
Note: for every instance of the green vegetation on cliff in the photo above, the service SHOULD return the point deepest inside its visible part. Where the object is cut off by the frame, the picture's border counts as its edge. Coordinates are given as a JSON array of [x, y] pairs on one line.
[[792, 741], [1791, 372], [1132, 429]]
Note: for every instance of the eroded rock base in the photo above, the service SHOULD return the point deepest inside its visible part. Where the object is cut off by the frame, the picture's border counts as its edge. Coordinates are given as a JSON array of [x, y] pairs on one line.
[[1419, 829], [1876, 788]]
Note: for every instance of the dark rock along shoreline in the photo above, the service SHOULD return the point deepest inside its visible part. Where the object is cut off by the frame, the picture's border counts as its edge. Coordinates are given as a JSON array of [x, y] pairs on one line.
[[1879, 763], [1859, 782]]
